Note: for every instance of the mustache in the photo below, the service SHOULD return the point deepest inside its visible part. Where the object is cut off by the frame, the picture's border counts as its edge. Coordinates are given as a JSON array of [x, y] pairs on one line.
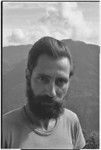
[[45, 99]]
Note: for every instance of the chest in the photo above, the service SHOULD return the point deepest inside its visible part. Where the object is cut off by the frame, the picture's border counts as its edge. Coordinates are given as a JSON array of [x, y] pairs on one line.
[[60, 138]]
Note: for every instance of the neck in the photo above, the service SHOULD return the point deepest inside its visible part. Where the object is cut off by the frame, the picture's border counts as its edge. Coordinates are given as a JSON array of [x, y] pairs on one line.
[[43, 124]]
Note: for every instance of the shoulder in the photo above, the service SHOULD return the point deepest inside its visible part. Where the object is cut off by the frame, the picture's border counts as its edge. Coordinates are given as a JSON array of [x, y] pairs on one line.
[[73, 122], [70, 115], [12, 117], [12, 124]]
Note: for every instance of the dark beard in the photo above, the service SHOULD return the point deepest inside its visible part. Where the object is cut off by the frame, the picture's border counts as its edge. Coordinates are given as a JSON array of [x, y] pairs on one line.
[[44, 107]]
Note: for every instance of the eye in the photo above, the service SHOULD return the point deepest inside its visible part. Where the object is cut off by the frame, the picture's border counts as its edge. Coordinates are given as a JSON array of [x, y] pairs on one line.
[[61, 81], [43, 79]]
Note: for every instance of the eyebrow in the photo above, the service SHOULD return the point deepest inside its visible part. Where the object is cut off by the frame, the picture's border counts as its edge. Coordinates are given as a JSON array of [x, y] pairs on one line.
[[59, 77], [44, 75]]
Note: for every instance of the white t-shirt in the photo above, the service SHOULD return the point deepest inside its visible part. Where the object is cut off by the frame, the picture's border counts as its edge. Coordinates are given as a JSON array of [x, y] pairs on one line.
[[18, 132]]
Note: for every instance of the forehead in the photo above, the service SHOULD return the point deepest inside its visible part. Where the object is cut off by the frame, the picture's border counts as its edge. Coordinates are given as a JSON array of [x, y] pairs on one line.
[[51, 66]]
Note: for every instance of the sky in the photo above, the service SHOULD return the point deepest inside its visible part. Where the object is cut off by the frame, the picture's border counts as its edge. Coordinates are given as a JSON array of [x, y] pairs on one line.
[[26, 22]]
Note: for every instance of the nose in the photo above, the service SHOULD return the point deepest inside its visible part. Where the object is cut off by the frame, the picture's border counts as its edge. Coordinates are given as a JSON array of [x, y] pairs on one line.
[[52, 90]]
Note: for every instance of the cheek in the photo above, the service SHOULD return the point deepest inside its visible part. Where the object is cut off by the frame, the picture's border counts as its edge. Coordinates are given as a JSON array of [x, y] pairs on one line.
[[37, 88], [63, 91]]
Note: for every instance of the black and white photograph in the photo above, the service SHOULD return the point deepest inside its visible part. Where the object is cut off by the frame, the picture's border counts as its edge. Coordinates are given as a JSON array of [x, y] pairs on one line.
[[50, 75]]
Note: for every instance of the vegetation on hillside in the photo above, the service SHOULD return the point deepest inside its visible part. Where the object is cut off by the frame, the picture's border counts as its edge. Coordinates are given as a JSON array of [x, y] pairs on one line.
[[92, 140]]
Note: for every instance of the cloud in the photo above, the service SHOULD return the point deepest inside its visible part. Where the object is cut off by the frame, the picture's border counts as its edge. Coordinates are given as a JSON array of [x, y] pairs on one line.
[[15, 36], [22, 36], [36, 32], [68, 16], [27, 5], [61, 20], [12, 5], [75, 17], [67, 20]]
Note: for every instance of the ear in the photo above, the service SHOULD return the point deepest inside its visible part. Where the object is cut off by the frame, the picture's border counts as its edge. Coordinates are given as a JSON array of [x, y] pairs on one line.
[[27, 73]]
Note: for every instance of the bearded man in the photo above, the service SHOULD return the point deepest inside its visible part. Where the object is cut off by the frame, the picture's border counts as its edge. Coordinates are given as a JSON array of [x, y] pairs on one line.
[[44, 122]]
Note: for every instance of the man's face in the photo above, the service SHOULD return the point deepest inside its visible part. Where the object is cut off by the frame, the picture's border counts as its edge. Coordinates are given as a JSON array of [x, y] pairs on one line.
[[49, 84]]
